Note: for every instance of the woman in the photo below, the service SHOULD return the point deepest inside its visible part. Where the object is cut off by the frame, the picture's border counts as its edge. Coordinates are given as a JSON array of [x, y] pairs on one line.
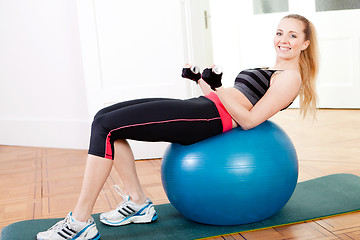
[[257, 95]]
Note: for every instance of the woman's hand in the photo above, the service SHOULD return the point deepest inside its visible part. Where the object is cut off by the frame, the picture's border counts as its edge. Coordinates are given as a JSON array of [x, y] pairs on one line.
[[212, 76], [191, 72]]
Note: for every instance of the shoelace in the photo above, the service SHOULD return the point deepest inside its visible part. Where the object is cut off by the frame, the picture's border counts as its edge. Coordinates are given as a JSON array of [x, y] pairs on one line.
[[119, 191], [60, 225], [126, 198]]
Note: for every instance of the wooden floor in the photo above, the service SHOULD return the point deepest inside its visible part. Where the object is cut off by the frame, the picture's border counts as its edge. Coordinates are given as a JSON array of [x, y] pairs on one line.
[[43, 183]]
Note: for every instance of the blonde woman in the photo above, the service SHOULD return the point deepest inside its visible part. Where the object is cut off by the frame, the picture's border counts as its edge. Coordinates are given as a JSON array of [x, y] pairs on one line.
[[257, 95]]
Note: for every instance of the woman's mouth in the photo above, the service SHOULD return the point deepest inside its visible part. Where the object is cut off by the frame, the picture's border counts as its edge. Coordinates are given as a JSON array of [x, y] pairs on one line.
[[284, 48]]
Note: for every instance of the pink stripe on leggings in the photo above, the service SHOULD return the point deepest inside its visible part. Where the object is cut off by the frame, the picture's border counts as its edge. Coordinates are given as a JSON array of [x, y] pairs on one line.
[[108, 150], [224, 115]]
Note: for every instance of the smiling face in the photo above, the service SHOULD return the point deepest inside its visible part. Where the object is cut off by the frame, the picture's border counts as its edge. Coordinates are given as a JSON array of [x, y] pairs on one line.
[[289, 40]]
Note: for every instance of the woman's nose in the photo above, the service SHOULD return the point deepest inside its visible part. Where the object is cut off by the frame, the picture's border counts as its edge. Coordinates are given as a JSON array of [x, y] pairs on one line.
[[284, 39]]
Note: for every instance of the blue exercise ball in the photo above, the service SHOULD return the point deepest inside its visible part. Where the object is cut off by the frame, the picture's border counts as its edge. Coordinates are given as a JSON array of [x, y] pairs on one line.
[[236, 177]]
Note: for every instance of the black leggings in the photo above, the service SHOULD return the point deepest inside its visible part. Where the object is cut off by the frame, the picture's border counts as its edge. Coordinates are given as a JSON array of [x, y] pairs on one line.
[[154, 119]]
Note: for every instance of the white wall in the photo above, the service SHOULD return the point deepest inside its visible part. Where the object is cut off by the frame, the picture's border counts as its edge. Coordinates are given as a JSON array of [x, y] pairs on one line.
[[225, 17], [237, 43], [42, 89]]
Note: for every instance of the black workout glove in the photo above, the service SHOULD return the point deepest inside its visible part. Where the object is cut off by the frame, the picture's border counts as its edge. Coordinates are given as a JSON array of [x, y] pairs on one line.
[[192, 73], [212, 76]]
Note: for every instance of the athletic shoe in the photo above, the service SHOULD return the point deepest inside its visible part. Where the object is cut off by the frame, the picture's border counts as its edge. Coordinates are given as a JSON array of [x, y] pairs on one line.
[[69, 228], [129, 212]]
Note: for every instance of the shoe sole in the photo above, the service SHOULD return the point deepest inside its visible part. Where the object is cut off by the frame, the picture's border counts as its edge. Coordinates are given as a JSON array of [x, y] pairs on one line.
[[133, 219], [97, 237]]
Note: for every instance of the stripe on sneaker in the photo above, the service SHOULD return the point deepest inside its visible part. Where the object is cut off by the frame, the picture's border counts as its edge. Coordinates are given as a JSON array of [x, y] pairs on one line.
[[126, 212], [129, 212], [71, 230], [131, 209], [63, 236], [67, 233], [122, 213]]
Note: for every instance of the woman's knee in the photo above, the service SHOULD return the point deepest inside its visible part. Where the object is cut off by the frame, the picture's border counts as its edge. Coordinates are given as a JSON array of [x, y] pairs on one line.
[[100, 113], [99, 125]]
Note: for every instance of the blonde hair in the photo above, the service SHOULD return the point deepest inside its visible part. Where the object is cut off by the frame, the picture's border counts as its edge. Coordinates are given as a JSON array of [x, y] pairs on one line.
[[309, 67]]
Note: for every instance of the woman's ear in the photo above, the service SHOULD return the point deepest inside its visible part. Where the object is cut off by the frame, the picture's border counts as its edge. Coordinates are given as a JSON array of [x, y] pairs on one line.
[[305, 45]]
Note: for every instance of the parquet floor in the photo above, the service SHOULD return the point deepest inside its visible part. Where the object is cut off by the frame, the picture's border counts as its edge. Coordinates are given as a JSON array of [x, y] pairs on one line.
[[43, 183]]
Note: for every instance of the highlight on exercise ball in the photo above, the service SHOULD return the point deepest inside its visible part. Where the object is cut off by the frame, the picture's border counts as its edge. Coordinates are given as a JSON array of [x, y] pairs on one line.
[[236, 177]]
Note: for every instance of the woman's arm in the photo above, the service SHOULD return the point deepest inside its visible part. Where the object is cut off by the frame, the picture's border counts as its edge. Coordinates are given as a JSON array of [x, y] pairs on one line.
[[205, 88], [283, 90]]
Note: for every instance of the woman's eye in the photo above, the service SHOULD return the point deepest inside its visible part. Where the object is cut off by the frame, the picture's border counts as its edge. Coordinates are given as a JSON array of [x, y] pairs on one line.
[[293, 36], [278, 34]]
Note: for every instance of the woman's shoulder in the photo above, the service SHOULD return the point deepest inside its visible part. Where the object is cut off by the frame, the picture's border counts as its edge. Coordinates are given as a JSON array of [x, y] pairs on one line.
[[287, 75]]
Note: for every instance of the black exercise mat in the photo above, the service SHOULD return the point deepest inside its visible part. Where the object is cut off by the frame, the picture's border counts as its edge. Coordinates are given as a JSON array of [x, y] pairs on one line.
[[317, 198]]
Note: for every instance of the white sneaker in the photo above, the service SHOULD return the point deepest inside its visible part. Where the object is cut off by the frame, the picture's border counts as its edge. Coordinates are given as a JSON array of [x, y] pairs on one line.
[[129, 212], [69, 228]]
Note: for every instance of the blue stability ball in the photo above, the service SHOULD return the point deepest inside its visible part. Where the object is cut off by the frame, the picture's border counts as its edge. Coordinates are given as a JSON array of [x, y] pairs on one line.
[[236, 177]]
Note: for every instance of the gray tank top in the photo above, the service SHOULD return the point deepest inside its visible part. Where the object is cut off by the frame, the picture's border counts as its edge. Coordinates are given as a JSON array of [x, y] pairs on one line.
[[254, 83]]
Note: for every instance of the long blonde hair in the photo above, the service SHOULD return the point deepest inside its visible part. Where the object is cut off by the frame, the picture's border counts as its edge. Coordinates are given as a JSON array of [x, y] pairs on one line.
[[309, 67]]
